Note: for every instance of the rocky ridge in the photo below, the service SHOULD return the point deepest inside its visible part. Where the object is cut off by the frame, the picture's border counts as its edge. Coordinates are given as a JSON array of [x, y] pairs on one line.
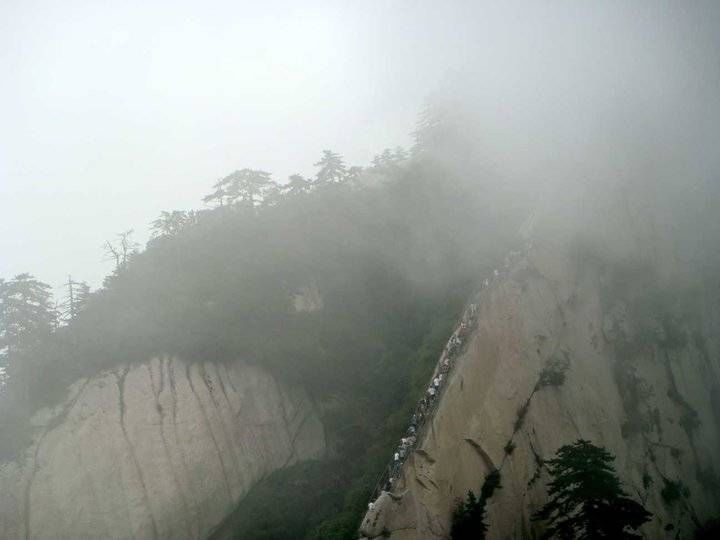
[[654, 402], [162, 449]]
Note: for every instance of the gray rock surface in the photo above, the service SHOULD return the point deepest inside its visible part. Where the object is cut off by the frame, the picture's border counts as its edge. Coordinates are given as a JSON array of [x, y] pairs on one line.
[[657, 408], [162, 449]]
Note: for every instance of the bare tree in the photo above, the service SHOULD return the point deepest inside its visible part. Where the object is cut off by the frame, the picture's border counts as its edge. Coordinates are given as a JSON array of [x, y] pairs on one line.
[[121, 249]]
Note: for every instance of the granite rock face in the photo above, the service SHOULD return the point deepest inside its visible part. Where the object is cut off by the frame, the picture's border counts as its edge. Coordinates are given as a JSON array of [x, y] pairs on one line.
[[163, 449], [654, 402]]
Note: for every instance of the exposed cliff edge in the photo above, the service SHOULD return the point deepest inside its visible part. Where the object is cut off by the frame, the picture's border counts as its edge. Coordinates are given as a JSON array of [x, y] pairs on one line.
[[156, 450], [651, 398]]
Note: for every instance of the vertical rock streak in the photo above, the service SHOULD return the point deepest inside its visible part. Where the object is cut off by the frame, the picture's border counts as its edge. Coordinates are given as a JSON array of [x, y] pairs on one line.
[[121, 403], [189, 450]]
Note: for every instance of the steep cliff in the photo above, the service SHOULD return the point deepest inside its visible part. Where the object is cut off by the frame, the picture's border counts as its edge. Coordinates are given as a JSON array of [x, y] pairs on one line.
[[634, 383], [157, 450]]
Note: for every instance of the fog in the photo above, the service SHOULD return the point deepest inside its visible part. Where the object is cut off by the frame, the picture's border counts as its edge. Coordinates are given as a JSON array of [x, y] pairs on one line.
[[114, 112], [528, 188]]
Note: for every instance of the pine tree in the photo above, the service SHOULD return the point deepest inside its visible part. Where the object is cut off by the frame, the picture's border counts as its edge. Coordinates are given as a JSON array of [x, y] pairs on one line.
[[586, 497], [435, 124], [26, 315], [469, 517], [353, 174], [332, 169], [77, 294], [271, 194], [386, 159], [216, 198], [297, 184], [169, 223], [468, 520], [246, 187]]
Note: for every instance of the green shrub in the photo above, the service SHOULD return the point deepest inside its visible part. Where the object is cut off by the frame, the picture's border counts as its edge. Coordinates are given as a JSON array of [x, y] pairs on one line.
[[469, 517], [553, 374], [673, 490]]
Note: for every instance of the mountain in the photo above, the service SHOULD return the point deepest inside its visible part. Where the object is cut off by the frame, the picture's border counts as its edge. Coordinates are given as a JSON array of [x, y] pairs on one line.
[[636, 378], [161, 449]]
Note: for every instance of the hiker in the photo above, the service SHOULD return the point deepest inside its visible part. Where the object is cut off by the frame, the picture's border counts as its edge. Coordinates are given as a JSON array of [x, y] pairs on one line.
[[486, 282]]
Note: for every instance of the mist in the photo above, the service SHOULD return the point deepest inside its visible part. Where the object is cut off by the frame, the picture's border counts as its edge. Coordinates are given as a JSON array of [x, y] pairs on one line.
[[238, 239], [114, 114]]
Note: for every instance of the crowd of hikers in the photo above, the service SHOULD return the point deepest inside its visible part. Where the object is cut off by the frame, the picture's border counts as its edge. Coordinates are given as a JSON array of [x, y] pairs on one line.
[[425, 408]]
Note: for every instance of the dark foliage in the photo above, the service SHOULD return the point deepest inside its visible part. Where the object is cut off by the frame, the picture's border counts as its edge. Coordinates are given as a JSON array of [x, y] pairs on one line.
[[469, 516], [586, 498], [553, 374], [393, 262], [709, 530], [673, 490]]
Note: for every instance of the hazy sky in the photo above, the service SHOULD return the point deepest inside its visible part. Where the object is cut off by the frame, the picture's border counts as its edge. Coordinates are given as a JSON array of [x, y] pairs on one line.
[[114, 111]]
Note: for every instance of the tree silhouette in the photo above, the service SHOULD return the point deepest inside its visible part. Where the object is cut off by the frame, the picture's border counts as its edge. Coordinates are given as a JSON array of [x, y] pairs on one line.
[[77, 294], [586, 498], [297, 184], [216, 198], [170, 223], [469, 517], [246, 187], [122, 249], [26, 314], [353, 174], [434, 126], [384, 160], [332, 168]]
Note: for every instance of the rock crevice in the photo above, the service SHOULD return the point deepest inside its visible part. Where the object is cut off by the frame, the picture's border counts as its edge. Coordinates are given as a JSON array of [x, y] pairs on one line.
[[163, 449]]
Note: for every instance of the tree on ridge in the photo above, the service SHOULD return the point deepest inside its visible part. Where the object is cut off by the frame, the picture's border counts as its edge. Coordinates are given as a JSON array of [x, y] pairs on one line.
[[586, 497]]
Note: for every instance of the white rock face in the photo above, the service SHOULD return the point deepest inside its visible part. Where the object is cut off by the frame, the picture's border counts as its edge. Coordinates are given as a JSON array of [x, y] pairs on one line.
[[547, 309], [163, 449]]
